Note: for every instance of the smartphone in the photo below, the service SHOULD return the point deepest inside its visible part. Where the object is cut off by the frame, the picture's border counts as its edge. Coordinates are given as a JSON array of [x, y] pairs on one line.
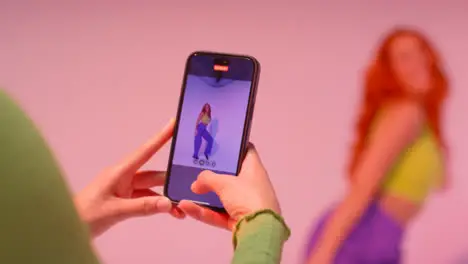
[[213, 122]]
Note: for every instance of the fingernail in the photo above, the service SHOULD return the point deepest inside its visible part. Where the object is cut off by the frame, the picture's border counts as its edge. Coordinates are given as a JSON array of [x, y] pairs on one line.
[[163, 204], [193, 186]]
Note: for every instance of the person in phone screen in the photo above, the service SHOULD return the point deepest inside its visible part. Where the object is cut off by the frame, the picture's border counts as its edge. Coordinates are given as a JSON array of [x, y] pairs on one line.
[[201, 132]]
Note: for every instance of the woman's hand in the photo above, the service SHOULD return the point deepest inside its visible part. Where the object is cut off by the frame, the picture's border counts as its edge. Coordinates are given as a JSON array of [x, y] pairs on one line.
[[122, 191], [249, 192]]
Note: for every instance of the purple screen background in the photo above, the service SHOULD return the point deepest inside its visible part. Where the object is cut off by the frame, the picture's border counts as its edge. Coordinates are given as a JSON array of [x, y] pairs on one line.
[[228, 113]]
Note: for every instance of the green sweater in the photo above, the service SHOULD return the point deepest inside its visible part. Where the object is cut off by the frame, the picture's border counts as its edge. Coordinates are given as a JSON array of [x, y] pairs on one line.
[[39, 223]]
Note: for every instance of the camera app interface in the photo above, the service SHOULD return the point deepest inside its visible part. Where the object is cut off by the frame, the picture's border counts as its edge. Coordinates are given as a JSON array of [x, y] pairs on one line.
[[211, 123]]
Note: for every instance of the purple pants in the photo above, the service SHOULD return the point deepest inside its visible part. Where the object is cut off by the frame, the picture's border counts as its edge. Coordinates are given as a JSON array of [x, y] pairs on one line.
[[202, 132], [376, 239]]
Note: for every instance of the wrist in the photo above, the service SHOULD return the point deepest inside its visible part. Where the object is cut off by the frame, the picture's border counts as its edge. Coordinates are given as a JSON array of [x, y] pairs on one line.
[[266, 222], [273, 209]]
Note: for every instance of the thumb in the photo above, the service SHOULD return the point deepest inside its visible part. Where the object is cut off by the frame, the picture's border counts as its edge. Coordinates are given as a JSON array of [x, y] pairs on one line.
[[209, 181], [143, 206]]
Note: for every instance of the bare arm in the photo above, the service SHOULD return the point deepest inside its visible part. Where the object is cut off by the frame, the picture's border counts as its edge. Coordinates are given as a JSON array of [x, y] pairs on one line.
[[398, 127], [198, 121]]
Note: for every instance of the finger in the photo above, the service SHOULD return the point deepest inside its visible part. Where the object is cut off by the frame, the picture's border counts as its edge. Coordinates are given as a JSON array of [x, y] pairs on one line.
[[144, 193], [251, 159], [209, 181], [206, 215], [175, 212], [252, 155], [137, 159], [148, 179], [142, 206]]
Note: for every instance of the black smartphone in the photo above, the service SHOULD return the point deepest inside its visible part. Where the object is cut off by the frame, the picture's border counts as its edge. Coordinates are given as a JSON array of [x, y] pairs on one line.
[[213, 123]]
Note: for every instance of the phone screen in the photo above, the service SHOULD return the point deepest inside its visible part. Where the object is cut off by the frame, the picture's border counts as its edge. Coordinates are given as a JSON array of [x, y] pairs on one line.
[[211, 124]]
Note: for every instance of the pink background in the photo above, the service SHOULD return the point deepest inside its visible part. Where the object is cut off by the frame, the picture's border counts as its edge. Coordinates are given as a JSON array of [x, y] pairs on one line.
[[100, 79]]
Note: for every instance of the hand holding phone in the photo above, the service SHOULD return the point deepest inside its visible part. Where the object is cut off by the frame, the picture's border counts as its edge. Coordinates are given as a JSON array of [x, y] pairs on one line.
[[218, 98], [250, 192]]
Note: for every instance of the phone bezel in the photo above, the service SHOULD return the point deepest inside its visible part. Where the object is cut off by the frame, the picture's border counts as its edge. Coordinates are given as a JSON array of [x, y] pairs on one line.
[[247, 122]]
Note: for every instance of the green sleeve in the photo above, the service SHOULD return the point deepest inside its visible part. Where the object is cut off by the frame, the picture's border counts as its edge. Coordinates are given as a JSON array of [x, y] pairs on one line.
[[38, 222], [259, 239]]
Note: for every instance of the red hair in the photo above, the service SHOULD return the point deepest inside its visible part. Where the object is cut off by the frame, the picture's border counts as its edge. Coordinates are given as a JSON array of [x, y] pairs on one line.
[[381, 86]]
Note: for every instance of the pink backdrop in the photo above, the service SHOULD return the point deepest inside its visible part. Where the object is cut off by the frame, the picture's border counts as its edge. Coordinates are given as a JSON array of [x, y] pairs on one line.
[[100, 79]]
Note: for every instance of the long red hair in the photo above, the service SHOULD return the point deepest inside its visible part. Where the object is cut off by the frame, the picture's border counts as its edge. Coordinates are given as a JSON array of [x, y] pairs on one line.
[[206, 109], [381, 86]]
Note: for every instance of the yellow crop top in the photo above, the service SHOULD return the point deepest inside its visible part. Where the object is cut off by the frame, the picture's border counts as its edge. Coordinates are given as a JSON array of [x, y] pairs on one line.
[[205, 119], [418, 171]]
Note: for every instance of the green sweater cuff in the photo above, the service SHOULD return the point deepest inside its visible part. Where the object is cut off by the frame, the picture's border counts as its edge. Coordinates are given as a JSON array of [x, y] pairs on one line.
[[259, 238]]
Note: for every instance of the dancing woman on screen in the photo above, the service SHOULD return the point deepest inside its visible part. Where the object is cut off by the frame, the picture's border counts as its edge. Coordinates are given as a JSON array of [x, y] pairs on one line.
[[203, 120], [398, 157]]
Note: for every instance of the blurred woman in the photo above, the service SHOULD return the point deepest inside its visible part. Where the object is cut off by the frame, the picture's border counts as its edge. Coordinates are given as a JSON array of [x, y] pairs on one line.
[[398, 157], [201, 132]]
